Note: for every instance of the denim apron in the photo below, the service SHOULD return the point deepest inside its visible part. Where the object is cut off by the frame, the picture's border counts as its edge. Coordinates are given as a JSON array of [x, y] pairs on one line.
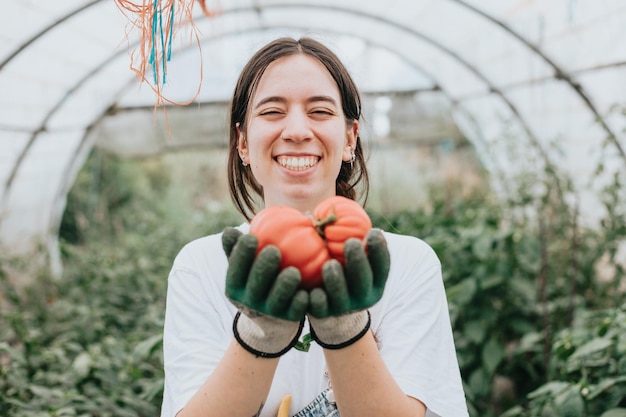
[[322, 406]]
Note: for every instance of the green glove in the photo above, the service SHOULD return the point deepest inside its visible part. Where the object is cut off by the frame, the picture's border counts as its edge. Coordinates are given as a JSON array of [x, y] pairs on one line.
[[271, 307], [338, 313]]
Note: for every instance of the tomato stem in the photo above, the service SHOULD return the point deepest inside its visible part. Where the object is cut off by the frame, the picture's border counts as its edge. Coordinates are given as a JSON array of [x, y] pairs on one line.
[[321, 224]]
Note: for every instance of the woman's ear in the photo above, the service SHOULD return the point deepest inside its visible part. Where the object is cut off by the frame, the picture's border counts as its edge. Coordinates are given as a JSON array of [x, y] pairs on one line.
[[347, 153], [351, 139], [242, 145]]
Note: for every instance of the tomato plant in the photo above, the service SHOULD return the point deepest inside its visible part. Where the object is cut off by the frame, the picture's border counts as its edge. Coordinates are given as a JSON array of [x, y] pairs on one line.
[[297, 239], [339, 219]]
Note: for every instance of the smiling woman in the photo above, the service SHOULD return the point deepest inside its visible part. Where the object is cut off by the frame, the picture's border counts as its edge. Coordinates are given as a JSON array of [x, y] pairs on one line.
[[378, 313], [296, 135], [297, 91]]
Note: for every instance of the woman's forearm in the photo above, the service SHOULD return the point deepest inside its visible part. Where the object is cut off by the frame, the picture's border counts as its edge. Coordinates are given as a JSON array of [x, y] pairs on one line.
[[237, 388], [363, 386]]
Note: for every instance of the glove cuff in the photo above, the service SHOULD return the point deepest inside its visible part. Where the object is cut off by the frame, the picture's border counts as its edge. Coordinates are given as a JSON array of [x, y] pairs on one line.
[[264, 336], [342, 331]]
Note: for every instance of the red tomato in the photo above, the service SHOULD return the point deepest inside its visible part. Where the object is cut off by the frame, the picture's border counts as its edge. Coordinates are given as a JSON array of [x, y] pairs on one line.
[[297, 239], [338, 219]]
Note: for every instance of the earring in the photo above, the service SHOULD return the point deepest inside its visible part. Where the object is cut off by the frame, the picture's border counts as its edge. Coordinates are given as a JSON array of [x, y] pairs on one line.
[[243, 163], [352, 157]]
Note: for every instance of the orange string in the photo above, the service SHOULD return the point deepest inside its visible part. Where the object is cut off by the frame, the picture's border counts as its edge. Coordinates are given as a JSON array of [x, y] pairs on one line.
[[158, 22]]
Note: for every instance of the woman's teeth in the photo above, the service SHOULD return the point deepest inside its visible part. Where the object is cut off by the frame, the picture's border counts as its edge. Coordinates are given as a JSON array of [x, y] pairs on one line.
[[297, 163]]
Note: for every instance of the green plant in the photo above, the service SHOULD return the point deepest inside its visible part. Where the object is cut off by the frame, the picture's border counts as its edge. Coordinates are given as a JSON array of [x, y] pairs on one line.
[[489, 270], [515, 274], [88, 343], [589, 368]]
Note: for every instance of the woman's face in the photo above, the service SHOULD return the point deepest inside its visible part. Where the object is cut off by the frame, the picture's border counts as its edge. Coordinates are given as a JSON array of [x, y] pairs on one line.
[[296, 136]]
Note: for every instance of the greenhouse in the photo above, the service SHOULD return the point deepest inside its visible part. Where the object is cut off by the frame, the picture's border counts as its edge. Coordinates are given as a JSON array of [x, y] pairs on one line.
[[493, 130]]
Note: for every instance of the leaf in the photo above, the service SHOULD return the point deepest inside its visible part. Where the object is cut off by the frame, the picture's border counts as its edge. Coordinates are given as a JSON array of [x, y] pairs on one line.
[[492, 355], [145, 349], [528, 254], [530, 342], [593, 346], [462, 293], [491, 281], [475, 331], [68, 411], [305, 344], [570, 403], [82, 364], [45, 392], [482, 247], [604, 385], [479, 382], [525, 289], [513, 412], [614, 412], [552, 388]]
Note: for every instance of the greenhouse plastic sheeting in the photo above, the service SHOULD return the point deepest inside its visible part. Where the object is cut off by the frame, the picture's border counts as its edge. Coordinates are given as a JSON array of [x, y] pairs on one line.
[[530, 83]]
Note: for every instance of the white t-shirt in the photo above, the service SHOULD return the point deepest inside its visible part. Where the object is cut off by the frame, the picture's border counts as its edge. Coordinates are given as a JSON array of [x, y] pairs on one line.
[[411, 323]]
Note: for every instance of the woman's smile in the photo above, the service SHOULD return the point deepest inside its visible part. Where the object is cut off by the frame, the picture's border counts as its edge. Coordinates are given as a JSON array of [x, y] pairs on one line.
[[297, 163]]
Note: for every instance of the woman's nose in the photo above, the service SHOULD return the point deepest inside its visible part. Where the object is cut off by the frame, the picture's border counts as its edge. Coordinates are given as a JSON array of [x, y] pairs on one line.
[[296, 127]]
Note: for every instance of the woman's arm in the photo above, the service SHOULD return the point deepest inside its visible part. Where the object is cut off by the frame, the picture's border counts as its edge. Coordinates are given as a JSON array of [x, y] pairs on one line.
[[340, 323], [363, 386], [238, 386], [264, 329]]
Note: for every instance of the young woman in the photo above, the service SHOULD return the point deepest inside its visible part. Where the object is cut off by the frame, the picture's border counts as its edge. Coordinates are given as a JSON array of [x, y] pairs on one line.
[[383, 342]]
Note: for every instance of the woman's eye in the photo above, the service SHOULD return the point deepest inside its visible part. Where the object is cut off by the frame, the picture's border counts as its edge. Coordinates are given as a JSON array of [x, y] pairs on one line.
[[322, 112], [270, 112]]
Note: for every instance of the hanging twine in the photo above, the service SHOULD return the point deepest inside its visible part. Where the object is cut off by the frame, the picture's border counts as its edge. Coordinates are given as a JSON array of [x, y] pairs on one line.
[[157, 22]]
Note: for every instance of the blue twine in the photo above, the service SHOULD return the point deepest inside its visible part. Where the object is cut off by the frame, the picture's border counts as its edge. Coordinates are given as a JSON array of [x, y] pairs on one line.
[[162, 44], [171, 34], [166, 55], [153, 52]]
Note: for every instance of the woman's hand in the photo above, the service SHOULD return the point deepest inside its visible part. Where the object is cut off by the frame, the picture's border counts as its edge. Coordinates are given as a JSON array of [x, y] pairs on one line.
[[338, 313], [271, 307]]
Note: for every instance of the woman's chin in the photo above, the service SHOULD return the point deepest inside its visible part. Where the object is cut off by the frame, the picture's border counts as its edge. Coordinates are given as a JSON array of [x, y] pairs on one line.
[[302, 197]]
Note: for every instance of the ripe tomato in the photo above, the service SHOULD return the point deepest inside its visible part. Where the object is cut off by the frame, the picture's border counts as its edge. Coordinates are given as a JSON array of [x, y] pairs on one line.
[[338, 219], [297, 239]]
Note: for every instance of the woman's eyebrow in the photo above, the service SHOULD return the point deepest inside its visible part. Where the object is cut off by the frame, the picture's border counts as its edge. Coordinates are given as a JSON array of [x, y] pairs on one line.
[[326, 99], [312, 99], [270, 99]]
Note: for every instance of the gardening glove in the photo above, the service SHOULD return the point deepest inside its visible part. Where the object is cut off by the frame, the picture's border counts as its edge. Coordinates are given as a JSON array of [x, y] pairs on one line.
[[271, 307], [338, 313]]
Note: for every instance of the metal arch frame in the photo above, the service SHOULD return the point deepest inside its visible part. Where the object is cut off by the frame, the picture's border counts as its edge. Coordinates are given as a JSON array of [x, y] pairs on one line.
[[46, 30], [257, 9], [64, 187], [53, 222], [42, 128], [97, 68], [559, 72], [9, 181]]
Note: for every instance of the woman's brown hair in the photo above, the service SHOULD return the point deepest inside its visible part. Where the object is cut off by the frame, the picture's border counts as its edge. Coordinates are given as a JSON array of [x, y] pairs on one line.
[[240, 179]]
